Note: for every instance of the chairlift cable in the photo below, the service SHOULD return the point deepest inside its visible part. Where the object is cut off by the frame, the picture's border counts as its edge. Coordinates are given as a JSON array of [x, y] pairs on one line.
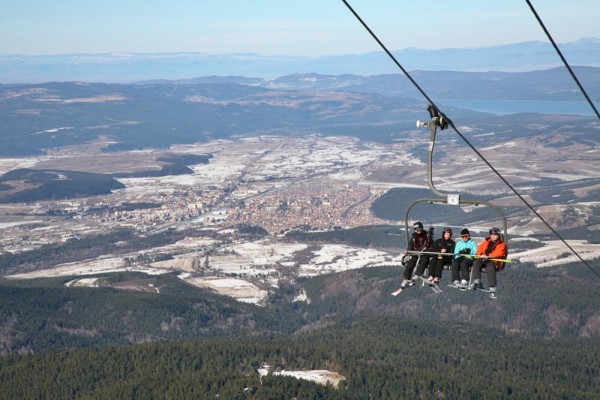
[[591, 103], [389, 53], [469, 143]]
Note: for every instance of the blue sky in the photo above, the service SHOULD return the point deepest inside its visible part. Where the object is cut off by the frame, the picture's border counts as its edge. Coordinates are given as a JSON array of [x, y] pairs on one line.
[[286, 27]]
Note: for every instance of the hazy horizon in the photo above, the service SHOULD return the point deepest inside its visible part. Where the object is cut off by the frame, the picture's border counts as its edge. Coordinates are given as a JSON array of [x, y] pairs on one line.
[[121, 67]]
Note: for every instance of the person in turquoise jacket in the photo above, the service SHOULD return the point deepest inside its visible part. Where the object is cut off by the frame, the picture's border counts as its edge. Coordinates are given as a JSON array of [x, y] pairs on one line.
[[461, 265]]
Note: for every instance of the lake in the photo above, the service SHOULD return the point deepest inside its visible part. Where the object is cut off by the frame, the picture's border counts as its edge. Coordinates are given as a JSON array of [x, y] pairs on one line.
[[503, 107]]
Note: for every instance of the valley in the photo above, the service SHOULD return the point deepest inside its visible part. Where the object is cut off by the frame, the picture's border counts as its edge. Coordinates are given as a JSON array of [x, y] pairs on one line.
[[235, 210]]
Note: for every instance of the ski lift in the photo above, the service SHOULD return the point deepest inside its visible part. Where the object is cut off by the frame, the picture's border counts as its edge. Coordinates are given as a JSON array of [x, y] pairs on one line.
[[440, 120]]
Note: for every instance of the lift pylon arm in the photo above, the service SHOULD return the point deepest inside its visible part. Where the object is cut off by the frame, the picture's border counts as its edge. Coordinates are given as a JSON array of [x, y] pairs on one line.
[[439, 120]]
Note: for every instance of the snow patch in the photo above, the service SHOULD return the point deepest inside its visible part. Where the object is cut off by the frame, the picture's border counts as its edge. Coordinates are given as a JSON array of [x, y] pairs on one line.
[[239, 289], [86, 282], [321, 376]]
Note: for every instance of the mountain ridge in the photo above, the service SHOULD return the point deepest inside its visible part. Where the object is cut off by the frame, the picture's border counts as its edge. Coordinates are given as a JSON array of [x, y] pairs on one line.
[[138, 115]]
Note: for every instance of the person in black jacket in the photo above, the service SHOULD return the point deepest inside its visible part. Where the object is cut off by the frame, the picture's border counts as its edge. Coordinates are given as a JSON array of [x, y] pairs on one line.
[[419, 241], [445, 244]]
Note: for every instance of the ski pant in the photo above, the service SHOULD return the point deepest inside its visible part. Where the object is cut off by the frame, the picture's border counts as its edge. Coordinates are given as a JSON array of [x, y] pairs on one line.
[[436, 266], [412, 262], [460, 269], [490, 268]]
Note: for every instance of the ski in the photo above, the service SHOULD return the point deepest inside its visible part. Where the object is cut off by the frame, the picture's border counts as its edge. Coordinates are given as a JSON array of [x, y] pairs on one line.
[[491, 293], [459, 286], [463, 288], [433, 286], [401, 288]]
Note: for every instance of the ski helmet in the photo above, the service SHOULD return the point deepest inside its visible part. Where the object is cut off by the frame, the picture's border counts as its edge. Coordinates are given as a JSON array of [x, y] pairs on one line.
[[418, 225], [495, 230]]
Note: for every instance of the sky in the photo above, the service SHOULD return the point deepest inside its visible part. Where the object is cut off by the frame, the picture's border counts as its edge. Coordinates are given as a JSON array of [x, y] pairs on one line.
[[283, 27]]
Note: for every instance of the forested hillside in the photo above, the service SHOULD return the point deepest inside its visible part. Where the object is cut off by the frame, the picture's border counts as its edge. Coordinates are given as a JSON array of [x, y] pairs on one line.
[[53, 185], [380, 358], [417, 345], [44, 315]]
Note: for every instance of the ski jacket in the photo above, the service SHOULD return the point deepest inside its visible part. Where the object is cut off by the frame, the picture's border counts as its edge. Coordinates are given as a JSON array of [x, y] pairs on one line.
[[442, 243], [420, 242], [491, 249], [464, 245]]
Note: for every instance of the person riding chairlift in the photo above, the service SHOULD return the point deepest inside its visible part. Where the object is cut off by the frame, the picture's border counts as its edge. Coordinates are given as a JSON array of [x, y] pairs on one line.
[[492, 247], [419, 241], [445, 244], [461, 265]]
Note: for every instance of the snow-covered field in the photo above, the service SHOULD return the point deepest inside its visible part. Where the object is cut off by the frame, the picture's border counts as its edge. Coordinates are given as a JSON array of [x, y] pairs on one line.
[[244, 271], [247, 271], [105, 264], [86, 282], [331, 258], [321, 376], [237, 288], [548, 255]]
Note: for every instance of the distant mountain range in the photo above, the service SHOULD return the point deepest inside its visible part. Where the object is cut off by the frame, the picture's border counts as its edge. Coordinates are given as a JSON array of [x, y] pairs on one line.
[[131, 67], [555, 84]]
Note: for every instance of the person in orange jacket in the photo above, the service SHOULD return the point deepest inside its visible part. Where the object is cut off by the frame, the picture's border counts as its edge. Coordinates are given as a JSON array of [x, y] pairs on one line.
[[492, 247]]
